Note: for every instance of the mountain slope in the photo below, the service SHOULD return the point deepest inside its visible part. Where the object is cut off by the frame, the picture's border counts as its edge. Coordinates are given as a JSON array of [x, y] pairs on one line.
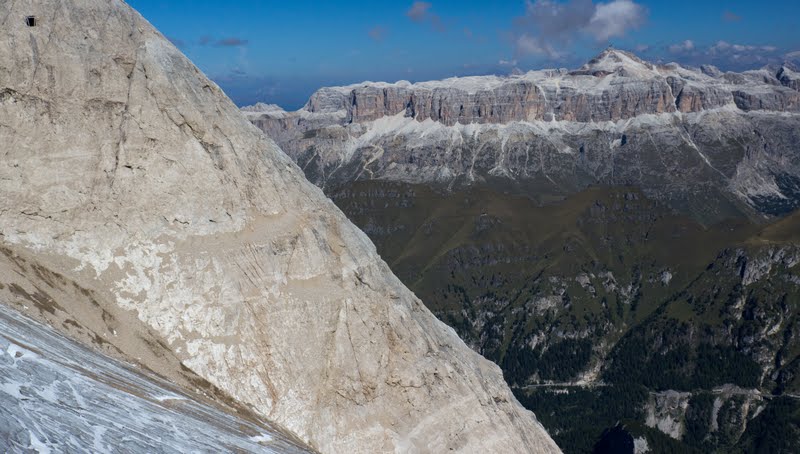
[[129, 178]]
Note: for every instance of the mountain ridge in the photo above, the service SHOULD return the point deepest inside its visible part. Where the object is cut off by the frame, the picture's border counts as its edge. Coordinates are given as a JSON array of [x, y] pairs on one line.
[[534, 91]]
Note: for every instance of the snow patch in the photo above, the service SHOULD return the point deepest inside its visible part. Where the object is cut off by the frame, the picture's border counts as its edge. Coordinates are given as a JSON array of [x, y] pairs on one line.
[[38, 445], [263, 438]]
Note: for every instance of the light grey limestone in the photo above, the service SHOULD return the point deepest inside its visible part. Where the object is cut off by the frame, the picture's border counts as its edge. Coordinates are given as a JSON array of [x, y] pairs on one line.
[[129, 173]]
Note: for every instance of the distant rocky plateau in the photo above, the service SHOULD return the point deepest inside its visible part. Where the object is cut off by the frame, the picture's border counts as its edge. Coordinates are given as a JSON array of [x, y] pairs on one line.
[[709, 143]]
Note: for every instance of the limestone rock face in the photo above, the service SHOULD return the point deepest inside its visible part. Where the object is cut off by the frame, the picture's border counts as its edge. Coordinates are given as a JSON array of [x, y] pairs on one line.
[[614, 86], [127, 172], [780, 101], [707, 143], [117, 408]]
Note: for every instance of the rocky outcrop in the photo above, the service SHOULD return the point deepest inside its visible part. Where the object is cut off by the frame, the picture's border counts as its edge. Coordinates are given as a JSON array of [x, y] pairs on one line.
[[778, 101], [129, 178], [666, 412], [754, 267], [691, 97], [724, 413]]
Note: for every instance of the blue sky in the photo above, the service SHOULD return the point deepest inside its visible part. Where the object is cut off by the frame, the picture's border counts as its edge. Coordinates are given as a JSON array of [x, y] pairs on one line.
[[281, 51]]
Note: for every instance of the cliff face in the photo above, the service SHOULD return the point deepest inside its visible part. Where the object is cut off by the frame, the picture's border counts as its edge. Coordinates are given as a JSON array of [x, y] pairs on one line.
[[130, 181], [614, 86], [707, 143], [789, 77]]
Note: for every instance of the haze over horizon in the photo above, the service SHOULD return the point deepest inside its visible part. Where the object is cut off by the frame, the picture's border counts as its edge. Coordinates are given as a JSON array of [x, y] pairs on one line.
[[281, 52]]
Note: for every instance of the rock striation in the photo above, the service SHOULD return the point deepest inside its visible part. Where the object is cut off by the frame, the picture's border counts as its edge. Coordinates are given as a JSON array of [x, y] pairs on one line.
[[59, 396], [131, 183], [707, 143]]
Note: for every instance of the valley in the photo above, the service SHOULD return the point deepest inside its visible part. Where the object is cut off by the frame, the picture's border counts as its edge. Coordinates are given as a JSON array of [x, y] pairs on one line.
[[590, 301]]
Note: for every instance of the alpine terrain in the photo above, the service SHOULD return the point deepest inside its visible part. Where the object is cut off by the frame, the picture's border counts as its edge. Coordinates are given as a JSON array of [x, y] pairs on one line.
[[144, 217], [622, 239]]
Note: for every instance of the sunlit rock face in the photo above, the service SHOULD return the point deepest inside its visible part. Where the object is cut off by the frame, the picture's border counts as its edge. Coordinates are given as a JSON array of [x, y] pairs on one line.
[[615, 85], [131, 183]]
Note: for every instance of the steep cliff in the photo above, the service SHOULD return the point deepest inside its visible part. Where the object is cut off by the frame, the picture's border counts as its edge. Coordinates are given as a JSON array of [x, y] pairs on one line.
[[613, 86], [139, 204]]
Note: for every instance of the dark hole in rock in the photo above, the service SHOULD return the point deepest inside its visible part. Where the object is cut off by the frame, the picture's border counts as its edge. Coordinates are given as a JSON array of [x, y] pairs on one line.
[[30, 21], [624, 139]]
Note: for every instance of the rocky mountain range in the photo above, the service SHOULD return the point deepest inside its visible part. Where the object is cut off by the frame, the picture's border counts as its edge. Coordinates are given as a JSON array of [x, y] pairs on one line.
[[705, 142], [144, 216], [620, 238]]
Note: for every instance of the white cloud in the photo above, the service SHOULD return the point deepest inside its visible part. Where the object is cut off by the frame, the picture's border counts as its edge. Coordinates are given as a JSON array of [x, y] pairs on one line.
[[725, 54], [615, 18], [684, 47], [726, 47], [530, 45], [549, 26]]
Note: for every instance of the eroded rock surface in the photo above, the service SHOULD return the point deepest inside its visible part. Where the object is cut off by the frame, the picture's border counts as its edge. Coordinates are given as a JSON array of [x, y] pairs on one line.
[[58, 396], [129, 174]]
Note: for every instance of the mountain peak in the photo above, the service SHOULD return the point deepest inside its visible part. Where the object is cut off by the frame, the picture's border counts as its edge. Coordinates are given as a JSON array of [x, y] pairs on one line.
[[617, 61]]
